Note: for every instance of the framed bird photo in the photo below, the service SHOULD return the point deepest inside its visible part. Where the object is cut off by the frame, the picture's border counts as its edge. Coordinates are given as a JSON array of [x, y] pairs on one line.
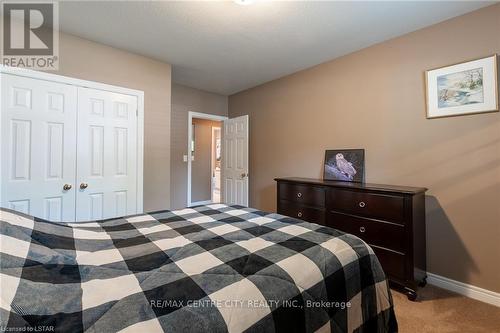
[[346, 165]]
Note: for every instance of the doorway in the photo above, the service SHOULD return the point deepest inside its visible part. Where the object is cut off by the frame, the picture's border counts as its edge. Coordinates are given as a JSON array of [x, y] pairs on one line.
[[204, 158], [216, 164]]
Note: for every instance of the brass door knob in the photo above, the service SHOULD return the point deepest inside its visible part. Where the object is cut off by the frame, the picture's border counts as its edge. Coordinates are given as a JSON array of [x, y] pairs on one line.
[[243, 175], [67, 187], [83, 186]]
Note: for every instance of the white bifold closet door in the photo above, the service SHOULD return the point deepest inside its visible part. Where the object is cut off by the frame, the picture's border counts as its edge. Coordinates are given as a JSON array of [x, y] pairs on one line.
[[38, 147], [107, 155], [68, 153]]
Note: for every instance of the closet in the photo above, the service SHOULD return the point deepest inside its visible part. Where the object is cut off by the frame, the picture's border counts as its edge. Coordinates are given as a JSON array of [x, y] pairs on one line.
[[71, 149]]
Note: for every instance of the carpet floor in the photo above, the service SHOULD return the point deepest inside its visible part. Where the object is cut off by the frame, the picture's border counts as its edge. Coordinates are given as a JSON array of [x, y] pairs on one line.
[[439, 310]]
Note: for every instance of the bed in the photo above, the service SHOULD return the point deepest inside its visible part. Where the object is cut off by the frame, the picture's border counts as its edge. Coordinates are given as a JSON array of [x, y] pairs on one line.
[[214, 268]]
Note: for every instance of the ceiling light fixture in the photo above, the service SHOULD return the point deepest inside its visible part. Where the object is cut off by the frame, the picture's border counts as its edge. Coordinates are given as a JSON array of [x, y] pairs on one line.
[[244, 2]]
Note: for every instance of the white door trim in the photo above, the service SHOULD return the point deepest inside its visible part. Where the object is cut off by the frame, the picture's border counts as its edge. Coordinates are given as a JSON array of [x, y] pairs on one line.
[[199, 115], [101, 86], [68, 80]]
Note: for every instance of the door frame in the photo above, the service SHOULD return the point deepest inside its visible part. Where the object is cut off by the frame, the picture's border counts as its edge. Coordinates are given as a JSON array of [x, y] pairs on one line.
[[198, 115], [212, 166], [23, 72]]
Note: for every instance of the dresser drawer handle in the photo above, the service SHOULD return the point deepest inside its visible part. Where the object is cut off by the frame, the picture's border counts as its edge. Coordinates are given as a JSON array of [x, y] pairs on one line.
[[299, 214], [299, 195], [362, 204], [362, 229]]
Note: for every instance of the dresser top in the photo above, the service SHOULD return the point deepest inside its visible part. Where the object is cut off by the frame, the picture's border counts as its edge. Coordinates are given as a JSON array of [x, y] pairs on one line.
[[353, 185]]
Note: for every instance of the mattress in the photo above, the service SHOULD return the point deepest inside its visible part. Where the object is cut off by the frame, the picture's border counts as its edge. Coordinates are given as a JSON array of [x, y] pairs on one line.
[[214, 268]]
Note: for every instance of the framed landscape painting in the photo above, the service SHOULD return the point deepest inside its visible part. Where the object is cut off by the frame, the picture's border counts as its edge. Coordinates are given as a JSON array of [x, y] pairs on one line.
[[466, 88], [346, 165]]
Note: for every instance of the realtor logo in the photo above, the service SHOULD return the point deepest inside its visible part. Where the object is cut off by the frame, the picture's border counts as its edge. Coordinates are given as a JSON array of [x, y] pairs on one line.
[[30, 34]]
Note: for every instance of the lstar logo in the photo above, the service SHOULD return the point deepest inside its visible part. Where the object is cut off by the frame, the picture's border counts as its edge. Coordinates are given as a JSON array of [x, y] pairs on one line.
[[30, 35]]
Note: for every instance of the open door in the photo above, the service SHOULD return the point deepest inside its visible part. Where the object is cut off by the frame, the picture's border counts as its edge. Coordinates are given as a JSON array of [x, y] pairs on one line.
[[235, 161]]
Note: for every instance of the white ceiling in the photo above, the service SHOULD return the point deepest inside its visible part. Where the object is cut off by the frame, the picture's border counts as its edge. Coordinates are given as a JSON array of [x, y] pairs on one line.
[[224, 47]]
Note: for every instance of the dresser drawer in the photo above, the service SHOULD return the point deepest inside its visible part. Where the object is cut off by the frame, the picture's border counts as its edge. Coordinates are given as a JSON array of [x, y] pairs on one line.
[[303, 194], [392, 263], [378, 206], [301, 212], [388, 235]]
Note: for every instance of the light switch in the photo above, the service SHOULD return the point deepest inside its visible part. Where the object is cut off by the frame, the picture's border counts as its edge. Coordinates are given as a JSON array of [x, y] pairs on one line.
[[185, 158]]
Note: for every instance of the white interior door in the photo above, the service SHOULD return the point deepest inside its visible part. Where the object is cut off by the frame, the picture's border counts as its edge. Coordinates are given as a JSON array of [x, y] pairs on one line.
[[235, 161], [38, 147], [107, 155]]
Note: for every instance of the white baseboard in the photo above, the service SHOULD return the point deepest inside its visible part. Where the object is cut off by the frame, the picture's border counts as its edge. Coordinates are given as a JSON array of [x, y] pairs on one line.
[[480, 294], [198, 203]]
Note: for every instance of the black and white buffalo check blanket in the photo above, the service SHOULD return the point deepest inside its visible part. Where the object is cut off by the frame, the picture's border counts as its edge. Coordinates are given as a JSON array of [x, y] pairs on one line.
[[214, 268]]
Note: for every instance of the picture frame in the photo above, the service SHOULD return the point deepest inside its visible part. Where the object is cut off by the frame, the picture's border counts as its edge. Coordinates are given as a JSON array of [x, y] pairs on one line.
[[346, 165], [461, 89]]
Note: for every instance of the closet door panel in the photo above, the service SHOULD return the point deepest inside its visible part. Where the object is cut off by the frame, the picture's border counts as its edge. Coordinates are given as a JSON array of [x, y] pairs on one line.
[[107, 154], [38, 147]]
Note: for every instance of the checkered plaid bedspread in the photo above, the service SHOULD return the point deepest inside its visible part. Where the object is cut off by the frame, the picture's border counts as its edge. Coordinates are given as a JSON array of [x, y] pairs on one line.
[[213, 268]]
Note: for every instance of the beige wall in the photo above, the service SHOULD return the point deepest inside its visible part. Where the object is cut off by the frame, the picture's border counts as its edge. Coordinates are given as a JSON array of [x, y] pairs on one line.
[[374, 99], [185, 99], [87, 60], [201, 167]]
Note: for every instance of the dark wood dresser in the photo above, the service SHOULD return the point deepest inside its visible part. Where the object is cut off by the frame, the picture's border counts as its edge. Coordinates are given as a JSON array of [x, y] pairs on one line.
[[389, 218]]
